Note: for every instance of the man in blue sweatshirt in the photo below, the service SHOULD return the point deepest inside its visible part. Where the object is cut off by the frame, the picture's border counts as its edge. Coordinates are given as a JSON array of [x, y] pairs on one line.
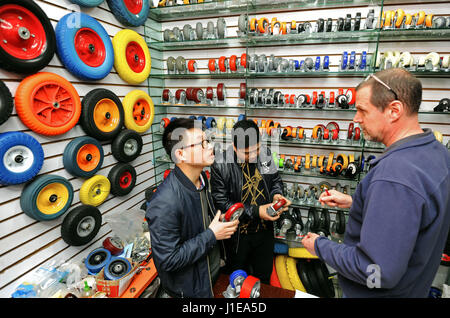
[[399, 215]]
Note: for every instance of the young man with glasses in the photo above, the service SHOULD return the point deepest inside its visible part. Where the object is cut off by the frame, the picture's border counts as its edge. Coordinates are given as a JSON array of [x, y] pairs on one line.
[[399, 215], [184, 225], [245, 173]]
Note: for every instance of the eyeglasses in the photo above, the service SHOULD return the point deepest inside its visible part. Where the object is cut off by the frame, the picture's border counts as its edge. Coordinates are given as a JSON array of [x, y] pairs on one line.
[[205, 144], [382, 83]]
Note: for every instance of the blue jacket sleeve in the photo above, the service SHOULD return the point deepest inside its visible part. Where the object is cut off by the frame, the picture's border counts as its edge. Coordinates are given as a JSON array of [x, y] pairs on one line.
[[164, 222], [391, 220]]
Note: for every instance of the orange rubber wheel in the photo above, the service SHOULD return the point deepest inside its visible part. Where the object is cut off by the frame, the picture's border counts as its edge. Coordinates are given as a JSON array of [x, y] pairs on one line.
[[48, 104]]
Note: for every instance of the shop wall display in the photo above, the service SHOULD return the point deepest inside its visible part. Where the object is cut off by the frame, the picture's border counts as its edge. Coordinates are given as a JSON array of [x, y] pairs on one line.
[[182, 41]]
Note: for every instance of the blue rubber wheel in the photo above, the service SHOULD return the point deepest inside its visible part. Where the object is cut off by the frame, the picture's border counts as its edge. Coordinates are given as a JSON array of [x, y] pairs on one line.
[[21, 157], [242, 117], [96, 260], [84, 46], [280, 248], [87, 3], [83, 157], [236, 274], [130, 13], [210, 123], [47, 197], [192, 117], [116, 268]]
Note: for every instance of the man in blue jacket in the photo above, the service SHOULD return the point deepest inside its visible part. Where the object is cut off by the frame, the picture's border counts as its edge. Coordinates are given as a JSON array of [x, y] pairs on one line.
[[184, 225], [399, 215]]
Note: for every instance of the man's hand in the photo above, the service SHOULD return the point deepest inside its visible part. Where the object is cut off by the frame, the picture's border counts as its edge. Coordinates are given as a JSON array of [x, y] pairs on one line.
[[336, 199], [308, 242], [278, 197], [223, 230], [263, 213]]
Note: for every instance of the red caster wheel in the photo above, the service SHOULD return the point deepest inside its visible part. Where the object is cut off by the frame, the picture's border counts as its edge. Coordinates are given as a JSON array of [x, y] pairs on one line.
[[234, 212]]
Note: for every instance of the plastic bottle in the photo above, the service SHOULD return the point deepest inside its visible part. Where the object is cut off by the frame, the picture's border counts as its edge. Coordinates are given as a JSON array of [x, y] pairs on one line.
[[87, 291]]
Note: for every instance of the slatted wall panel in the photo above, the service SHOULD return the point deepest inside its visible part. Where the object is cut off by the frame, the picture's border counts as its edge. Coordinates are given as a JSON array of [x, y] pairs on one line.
[[26, 243], [434, 89]]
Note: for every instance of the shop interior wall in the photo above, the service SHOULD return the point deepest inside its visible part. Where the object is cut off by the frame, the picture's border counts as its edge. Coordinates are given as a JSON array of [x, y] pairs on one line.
[[26, 243], [434, 88]]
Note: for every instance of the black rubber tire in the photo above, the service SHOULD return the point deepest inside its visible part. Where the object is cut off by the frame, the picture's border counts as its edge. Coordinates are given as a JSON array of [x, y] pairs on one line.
[[311, 273], [314, 218], [325, 219], [73, 218], [6, 103], [119, 143], [340, 222], [16, 65], [322, 273], [302, 272], [114, 176], [87, 119]]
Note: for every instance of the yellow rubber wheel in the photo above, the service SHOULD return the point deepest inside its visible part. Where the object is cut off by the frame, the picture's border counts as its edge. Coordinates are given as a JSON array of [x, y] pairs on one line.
[[47, 206], [280, 266], [132, 59], [300, 252], [291, 265], [95, 190], [139, 111]]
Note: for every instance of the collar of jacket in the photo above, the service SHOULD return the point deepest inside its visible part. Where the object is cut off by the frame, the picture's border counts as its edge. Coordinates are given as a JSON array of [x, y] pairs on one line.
[[412, 141], [184, 180]]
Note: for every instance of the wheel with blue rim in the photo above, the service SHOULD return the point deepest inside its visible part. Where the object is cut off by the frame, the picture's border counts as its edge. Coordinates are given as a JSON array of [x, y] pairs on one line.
[[236, 274], [116, 268], [21, 157], [47, 197], [96, 260], [130, 12], [84, 46], [88, 3], [83, 157]]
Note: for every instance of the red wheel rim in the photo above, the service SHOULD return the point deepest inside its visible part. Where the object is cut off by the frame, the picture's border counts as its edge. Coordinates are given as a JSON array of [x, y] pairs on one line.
[[234, 208], [135, 57], [21, 33], [134, 6], [90, 47], [125, 180], [52, 104], [141, 112]]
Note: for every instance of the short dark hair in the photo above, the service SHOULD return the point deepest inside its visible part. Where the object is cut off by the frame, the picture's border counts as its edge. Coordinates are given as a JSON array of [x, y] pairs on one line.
[[407, 87], [244, 132], [167, 140]]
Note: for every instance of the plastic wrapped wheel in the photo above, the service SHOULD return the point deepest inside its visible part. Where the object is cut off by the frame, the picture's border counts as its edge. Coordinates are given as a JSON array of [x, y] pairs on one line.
[[127, 146], [83, 157], [116, 268], [122, 178], [102, 115], [81, 225], [29, 43], [48, 104], [113, 244], [21, 157], [47, 197]]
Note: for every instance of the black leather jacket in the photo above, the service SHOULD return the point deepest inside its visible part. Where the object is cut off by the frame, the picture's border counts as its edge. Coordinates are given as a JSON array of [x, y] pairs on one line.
[[179, 237], [226, 184]]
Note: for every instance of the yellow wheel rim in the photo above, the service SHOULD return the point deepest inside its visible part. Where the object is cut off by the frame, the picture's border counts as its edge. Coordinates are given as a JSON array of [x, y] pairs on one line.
[[139, 111], [106, 115], [52, 198], [95, 190]]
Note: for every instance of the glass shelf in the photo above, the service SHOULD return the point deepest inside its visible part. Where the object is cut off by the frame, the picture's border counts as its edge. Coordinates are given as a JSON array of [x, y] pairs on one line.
[[306, 205], [230, 7], [244, 75], [201, 106], [312, 174], [303, 109], [414, 34], [229, 42]]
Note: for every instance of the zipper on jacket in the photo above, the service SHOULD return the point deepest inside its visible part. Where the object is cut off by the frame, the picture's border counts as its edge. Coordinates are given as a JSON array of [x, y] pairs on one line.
[[207, 256]]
